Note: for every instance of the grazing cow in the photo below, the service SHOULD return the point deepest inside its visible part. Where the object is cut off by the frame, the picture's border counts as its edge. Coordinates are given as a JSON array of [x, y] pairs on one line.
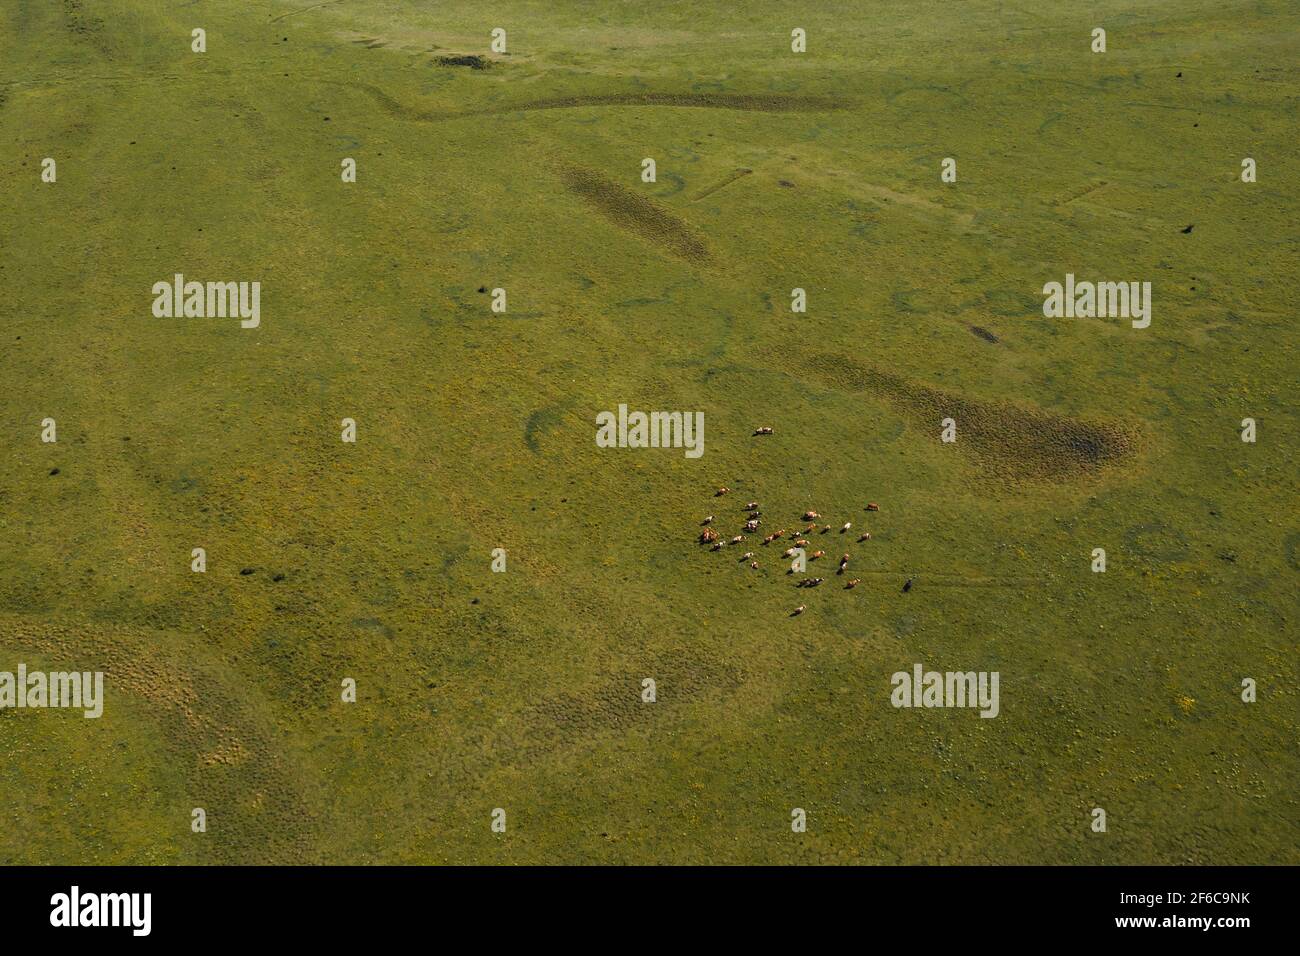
[[788, 552], [747, 556], [847, 526], [754, 565], [769, 539], [717, 546], [763, 430], [707, 520], [720, 492], [810, 515], [752, 506], [737, 539], [844, 562], [817, 554], [865, 536], [873, 507], [799, 610], [800, 543], [707, 535], [852, 583], [907, 585], [752, 524]]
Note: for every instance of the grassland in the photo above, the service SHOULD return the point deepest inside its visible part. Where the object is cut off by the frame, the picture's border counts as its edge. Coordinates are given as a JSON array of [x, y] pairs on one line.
[[475, 430]]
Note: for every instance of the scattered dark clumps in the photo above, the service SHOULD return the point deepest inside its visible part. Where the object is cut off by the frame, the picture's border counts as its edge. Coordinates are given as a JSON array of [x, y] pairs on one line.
[[471, 60], [1158, 542], [786, 183], [247, 571], [1189, 229], [635, 213], [569, 719], [277, 577], [54, 471], [86, 26], [1010, 441], [226, 747], [1292, 550], [984, 334]]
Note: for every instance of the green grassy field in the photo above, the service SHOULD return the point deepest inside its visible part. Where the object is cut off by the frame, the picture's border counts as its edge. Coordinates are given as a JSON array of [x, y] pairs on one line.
[[521, 690]]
